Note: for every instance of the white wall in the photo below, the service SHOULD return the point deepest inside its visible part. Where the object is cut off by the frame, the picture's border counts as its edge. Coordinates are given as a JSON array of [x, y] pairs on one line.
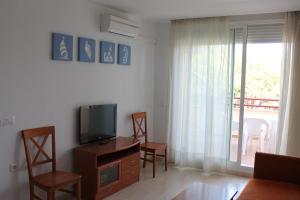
[[39, 91], [161, 87]]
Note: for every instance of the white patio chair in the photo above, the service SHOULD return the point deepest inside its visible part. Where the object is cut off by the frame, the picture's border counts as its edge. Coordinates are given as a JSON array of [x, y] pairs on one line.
[[255, 128]]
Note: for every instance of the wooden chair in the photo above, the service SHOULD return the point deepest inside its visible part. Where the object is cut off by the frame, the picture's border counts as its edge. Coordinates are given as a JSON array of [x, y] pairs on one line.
[[51, 181], [139, 121]]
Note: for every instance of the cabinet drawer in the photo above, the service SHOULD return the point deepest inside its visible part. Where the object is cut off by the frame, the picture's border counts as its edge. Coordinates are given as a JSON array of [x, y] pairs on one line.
[[130, 172], [131, 161], [130, 175]]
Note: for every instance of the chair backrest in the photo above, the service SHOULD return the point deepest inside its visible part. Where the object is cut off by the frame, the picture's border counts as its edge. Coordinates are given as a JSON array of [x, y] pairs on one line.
[[255, 126], [139, 121], [31, 135], [277, 167]]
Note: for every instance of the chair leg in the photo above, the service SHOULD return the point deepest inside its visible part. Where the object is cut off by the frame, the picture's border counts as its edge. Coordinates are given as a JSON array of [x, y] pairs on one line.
[[154, 163], [166, 160], [145, 158], [31, 191], [78, 190], [50, 195]]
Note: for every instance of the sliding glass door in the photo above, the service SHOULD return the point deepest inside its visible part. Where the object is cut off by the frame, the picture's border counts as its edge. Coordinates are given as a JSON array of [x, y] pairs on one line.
[[256, 62]]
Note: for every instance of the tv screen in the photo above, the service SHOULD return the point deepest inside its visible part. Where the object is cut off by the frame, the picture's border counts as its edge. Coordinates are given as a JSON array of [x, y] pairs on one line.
[[97, 122]]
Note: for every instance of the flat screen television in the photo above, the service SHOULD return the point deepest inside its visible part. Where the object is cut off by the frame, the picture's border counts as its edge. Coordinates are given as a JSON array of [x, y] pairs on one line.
[[97, 123]]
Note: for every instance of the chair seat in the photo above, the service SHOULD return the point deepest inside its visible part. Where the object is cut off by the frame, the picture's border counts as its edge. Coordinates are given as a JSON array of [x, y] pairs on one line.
[[153, 146], [56, 179]]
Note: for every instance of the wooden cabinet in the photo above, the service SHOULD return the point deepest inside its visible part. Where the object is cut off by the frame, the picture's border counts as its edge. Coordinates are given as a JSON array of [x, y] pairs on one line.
[[107, 168]]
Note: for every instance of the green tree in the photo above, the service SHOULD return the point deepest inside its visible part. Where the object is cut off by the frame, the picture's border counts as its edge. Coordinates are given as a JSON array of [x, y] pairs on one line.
[[260, 82]]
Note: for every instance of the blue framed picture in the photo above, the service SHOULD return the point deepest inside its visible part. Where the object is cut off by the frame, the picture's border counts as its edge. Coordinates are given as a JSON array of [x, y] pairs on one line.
[[107, 52], [62, 47], [124, 54], [86, 49]]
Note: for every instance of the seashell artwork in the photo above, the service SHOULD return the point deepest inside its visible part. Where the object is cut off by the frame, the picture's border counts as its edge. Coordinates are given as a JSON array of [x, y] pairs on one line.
[[62, 47]]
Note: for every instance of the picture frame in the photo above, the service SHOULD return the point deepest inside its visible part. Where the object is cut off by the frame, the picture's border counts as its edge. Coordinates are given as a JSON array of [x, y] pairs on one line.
[[62, 47], [86, 49], [107, 52], [124, 54]]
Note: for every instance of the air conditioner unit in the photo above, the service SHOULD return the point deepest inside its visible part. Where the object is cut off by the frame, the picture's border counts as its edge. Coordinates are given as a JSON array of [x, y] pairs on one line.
[[118, 25]]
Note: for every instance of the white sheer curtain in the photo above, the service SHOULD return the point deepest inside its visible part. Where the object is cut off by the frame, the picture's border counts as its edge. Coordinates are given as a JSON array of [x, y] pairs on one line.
[[289, 126], [200, 93]]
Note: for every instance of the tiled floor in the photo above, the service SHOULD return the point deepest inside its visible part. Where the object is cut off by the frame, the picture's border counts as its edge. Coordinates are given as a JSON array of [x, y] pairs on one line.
[[168, 184]]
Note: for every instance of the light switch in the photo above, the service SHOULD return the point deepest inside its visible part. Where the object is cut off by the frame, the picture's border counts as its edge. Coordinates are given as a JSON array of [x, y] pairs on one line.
[[12, 167]]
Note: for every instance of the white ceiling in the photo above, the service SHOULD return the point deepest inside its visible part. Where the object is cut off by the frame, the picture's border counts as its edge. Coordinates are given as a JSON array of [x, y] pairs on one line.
[[178, 9]]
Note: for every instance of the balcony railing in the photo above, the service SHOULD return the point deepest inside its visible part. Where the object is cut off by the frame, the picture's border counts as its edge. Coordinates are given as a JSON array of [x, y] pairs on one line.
[[257, 103]]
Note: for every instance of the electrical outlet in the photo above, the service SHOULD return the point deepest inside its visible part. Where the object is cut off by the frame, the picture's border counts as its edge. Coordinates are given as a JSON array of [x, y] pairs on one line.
[[12, 167], [10, 121]]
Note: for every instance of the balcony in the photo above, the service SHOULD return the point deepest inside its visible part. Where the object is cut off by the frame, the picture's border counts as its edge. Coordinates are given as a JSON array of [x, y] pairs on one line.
[[260, 127]]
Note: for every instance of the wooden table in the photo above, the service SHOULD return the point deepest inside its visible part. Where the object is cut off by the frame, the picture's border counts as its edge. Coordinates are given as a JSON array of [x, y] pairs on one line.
[[201, 191]]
